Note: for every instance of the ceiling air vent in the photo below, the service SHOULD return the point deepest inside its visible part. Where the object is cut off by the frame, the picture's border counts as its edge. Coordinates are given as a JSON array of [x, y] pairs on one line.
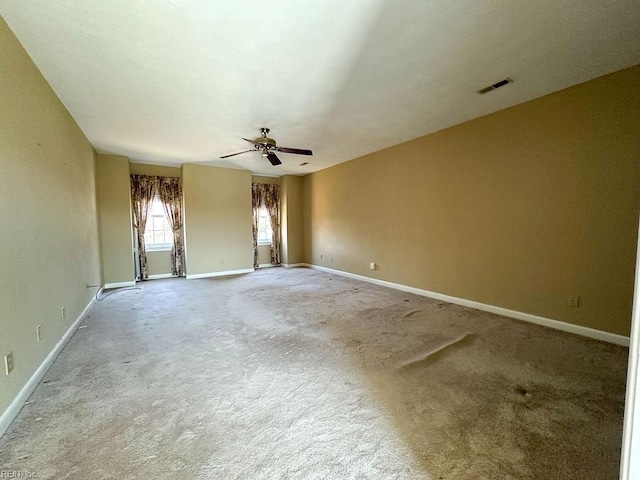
[[304, 163], [499, 84]]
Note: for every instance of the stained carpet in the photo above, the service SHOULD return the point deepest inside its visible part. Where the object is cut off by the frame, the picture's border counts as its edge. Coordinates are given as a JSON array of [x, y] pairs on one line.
[[299, 374]]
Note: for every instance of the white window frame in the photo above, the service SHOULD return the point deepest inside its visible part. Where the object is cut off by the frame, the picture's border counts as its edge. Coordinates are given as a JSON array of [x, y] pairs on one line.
[[265, 214], [157, 247]]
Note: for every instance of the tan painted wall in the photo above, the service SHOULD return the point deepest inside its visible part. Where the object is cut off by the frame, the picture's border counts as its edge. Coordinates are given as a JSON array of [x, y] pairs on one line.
[[517, 209], [159, 262], [266, 180], [114, 205], [48, 221], [217, 204], [159, 170], [117, 257], [292, 224], [264, 254]]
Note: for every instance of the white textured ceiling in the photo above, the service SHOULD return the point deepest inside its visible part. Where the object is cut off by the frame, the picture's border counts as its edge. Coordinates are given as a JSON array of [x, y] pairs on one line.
[[177, 81]]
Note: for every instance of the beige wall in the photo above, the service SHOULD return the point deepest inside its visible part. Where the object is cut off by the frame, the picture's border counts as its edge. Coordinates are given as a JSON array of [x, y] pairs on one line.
[[291, 212], [267, 180], [264, 254], [118, 259], [114, 205], [217, 203], [154, 170], [518, 209], [48, 221], [159, 262]]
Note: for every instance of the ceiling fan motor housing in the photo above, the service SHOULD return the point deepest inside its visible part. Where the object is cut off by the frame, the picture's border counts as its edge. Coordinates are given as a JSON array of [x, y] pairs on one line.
[[266, 142]]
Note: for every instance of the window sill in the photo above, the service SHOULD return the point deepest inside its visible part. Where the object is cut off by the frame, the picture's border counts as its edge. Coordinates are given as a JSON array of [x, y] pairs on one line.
[[262, 244], [158, 248]]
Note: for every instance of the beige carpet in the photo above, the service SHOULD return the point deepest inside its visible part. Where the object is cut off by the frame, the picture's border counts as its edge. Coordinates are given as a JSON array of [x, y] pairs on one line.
[[298, 374]]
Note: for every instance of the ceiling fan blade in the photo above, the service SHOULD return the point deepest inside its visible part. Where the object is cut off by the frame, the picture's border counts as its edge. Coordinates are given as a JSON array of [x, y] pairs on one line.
[[239, 153], [294, 150], [251, 141], [273, 159]]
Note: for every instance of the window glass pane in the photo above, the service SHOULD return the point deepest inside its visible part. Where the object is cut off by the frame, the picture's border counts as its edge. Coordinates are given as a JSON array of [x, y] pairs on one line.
[[158, 230], [264, 226], [156, 207]]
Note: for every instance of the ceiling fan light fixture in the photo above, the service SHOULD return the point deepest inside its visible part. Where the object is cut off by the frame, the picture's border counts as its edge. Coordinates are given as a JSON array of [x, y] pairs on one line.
[[267, 146]]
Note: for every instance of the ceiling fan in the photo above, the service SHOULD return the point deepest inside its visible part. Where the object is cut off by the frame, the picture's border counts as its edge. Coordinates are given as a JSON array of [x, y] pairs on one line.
[[267, 146]]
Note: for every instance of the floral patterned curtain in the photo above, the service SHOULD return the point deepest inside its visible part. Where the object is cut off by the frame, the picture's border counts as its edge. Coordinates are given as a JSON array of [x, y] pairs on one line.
[[256, 204], [143, 189], [271, 199], [170, 192], [267, 195]]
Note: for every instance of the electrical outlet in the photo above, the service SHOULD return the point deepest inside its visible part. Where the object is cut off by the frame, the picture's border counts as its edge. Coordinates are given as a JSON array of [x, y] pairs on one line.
[[573, 301], [8, 363], [373, 266], [321, 256], [331, 259], [63, 314], [39, 333]]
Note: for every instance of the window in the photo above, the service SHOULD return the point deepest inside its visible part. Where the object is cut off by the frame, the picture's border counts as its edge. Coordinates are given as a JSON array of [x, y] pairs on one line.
[[264, 227], [158, 234]]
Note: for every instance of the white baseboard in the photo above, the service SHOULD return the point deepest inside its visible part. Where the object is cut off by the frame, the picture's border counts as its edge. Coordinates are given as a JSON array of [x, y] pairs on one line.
[[295, 265], [119, 284], [159, 276], [527, 317], [9, 415], [265, 265], [220, 274]]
